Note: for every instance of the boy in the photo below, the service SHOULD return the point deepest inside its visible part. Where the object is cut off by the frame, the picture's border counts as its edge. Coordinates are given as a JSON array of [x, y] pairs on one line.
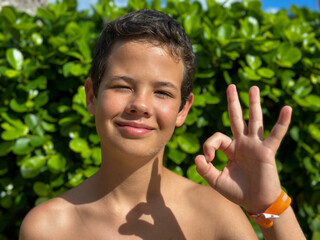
[[139, 91]]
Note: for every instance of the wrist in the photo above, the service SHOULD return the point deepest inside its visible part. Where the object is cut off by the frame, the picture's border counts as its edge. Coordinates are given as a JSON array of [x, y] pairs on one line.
[[262, 203], [265, 218]]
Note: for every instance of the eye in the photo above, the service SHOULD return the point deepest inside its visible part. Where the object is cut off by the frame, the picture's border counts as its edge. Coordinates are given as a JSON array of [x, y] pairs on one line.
[[121, 88], [163, 94]]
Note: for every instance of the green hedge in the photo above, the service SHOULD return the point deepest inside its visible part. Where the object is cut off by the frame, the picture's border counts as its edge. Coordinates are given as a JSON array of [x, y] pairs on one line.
[[48, 140]]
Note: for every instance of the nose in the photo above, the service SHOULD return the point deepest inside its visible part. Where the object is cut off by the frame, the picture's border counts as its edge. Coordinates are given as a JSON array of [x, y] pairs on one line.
[[140, 104]]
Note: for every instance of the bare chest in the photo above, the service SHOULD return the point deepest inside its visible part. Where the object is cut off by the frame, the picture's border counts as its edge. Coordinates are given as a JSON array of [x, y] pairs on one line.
[[142, 222]]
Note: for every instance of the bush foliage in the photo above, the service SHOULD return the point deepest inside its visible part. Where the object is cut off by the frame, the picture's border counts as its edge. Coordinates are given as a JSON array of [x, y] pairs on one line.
[[48, 139]]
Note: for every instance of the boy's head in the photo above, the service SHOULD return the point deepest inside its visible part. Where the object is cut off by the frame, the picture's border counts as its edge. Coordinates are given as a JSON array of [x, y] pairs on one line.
[[154, 27]]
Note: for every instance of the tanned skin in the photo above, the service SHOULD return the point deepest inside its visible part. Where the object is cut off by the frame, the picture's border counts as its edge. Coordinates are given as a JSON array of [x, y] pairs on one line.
[[133, 196]]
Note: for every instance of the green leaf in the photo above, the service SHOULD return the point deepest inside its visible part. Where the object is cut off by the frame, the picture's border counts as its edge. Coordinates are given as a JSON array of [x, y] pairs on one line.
[[80, 97], [188, 142], [38, 83], [193, 174], [75, 179], [77, 70], [84, 49], [205, 74], [314, 130], [18, 107], [32, 121], [190, 23], [94, 138], [96, 156], [265, 72], [288, 55], [254, 62], [90, 171], [296, 32], [76, 55], [199, 100], [177, 170], [251, 74], [211, 99], [192, 117], [37, 141], [44, 13], [78, 145], [221, 156], [6, 201], [57, 182], [249, 27], [25, 26], [225, 119], [4, 168], [317, 157], [244, 96], [227, 77], [136, 4], [41, 189], [176, 155], [41, 200], [48, 127], [9, 14], [5, 148], [56, 163], [57, 41], [14, 130], [308, 164], [31, 167], [37, 38], [66, 68], [73, 29], [22, 146], [15, 58], [226, 31], [313, 100], [41, 100], [10, 73], [294, 133], [12, 133]]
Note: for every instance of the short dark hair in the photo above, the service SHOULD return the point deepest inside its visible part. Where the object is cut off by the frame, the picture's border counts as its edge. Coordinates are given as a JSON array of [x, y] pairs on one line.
[[146, 24]]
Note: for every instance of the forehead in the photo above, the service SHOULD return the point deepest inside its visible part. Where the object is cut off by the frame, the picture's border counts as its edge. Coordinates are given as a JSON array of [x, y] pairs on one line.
[[141, 58], [146, 43]]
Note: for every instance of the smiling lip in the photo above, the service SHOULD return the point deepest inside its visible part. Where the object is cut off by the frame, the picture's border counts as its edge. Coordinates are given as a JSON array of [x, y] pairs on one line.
[[134, 128]]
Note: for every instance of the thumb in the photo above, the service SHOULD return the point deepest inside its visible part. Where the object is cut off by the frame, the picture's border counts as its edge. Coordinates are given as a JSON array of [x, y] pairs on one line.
[[207, 170]]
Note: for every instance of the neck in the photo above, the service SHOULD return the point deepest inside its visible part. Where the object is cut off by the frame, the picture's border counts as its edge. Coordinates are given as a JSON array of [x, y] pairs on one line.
[[129, 181]]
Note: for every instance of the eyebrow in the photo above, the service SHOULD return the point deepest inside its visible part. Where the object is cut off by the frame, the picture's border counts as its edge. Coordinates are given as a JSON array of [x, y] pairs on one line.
[[155, 84]]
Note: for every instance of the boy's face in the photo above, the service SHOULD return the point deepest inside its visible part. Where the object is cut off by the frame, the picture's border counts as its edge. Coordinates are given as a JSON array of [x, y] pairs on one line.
[[138, 102]]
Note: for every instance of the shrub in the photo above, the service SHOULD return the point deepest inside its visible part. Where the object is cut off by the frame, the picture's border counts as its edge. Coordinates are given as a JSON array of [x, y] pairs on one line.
[[48, 139]]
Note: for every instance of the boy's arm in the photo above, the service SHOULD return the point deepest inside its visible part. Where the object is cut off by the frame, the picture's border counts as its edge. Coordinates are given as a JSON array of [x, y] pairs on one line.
[[286, 227], [250, 178]]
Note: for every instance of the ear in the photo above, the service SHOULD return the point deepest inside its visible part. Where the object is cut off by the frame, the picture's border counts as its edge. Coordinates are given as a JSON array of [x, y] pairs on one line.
[[184, 111], [90, 98]]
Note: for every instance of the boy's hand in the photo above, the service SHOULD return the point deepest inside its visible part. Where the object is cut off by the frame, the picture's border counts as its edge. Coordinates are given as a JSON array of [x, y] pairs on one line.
[[250, 178]]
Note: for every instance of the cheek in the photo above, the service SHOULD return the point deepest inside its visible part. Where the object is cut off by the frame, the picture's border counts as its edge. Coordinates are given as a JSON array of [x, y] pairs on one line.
[[168, 115], [108, 106]]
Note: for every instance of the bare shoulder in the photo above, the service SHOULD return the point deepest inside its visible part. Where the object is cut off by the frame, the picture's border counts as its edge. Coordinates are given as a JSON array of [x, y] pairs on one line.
[[214, 211], [49, 220], [229, 219]]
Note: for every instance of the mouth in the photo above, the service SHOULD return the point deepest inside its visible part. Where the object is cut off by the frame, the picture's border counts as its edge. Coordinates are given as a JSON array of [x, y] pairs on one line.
[[134, 128]]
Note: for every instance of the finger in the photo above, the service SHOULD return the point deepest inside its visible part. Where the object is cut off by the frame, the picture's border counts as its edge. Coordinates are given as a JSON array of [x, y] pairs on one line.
[[280, 128], [215, 142], [238, 125], [207, 170], [138, 211], [255, 113]]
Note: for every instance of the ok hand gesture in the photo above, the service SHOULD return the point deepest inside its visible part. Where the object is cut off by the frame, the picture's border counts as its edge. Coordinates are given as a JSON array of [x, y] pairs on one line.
[[250, 178]]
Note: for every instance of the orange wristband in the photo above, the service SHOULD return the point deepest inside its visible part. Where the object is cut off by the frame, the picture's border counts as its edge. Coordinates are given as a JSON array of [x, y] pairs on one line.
[[273, 212]]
